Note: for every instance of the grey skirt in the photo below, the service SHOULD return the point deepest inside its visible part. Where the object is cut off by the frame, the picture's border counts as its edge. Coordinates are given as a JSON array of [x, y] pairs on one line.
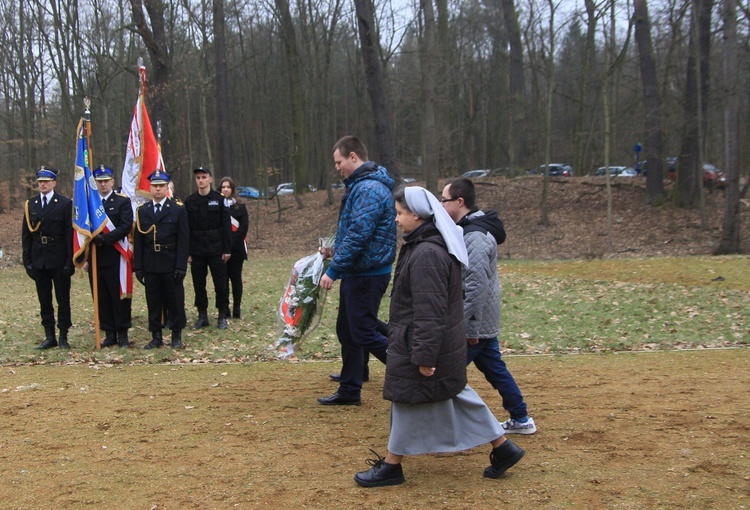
[[453, 425]]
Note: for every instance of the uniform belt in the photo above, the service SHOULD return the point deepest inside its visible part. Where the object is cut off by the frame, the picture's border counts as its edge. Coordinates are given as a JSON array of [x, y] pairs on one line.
[[48, 239], [203, 233], [160, 247]]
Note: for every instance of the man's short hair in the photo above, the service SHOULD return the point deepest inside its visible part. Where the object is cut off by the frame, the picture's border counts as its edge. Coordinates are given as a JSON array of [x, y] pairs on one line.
[[463, 188], [349, 144]]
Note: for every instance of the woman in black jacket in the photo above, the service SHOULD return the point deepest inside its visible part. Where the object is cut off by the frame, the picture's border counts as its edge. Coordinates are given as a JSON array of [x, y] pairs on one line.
[[433, 410], [238, 212]]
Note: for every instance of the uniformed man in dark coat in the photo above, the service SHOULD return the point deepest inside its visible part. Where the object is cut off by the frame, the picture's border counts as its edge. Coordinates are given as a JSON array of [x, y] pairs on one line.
[[47, 240], [210, 246], [114, 304], [161, 244]]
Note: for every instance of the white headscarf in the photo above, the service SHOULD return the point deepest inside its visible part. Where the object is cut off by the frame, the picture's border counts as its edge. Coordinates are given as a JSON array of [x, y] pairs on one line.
[[424, 204]]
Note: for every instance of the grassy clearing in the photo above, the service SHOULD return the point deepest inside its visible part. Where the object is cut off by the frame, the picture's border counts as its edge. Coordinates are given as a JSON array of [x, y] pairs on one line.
[[548, 307]]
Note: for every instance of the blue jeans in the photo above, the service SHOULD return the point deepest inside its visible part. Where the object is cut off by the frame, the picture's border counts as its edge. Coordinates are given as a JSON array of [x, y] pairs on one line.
[[356, 327], [486, 357]]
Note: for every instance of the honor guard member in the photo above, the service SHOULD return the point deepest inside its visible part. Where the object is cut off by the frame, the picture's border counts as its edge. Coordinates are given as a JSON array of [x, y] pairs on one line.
[[114, 308], [47, 239], [210, 246], [161, 243]]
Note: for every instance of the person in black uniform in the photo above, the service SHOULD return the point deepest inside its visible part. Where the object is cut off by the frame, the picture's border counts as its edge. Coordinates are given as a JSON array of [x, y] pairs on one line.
[[239, 220], [47, 240], [210, 246], [114, 307], [160, 256]]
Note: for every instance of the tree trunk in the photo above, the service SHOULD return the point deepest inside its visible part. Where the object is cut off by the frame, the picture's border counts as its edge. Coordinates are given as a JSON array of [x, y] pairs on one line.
[[429, 67], [154, 35], [296, 97], [517, 142], [730, 237], [223, 133], [368, 38], [652, 103]]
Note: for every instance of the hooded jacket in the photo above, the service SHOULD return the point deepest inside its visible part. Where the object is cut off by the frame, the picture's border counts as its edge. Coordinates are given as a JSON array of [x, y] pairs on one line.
[[366, 234], [426, 325], [483, 232]]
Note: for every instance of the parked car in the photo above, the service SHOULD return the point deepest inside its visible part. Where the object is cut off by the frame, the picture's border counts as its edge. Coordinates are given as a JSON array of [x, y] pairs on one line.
[[408, 180], [555, 170], [337, 185], [713, 178], [617, 171], [473, 174], [285, 188], [248, 192]]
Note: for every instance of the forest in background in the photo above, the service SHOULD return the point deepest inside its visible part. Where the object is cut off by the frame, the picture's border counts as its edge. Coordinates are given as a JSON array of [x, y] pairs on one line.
[[261, 90]]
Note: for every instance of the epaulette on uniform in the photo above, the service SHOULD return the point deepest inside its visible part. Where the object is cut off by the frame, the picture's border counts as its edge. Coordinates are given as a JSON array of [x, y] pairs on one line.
[[121, 194], [178, 202]]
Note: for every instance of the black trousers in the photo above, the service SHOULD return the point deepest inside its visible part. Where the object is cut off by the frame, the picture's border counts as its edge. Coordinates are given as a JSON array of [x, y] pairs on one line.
[[234, 277], [45, 279], [163, 292], [199, 272], [114, 313]]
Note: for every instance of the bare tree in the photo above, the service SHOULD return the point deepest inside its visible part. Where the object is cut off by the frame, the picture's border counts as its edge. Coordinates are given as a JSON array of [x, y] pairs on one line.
[[652, 103], [730, 237], [223, 132]]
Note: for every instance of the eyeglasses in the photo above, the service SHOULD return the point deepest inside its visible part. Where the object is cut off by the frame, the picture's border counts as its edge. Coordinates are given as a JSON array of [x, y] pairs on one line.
[[444, 200]]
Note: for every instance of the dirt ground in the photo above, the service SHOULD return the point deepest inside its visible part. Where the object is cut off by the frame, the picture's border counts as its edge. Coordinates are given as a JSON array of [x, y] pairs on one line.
[[662, 430]]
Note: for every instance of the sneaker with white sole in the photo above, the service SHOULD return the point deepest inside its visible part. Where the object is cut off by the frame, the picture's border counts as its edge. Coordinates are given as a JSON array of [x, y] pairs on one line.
[[512, 426]]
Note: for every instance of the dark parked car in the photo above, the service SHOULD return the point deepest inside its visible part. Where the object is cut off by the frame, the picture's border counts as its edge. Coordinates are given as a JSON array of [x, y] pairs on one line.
[[555, 170]]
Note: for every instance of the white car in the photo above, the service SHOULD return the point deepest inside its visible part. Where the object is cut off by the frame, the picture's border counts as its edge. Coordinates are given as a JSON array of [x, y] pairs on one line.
[[286, 188]]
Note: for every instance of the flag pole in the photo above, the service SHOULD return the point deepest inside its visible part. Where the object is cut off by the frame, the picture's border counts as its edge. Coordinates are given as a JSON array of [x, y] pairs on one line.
[[93, 268]]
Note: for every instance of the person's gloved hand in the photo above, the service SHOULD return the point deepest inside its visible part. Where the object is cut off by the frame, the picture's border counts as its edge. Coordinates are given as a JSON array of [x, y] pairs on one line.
[[69, 271], [30, 271], [179, 275], [98, 240], [139, 276]]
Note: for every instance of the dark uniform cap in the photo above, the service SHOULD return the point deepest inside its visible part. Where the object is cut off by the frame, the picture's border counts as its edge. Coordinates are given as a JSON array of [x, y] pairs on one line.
[[46, 173], [201, 169], [103, 173], [159, 177]]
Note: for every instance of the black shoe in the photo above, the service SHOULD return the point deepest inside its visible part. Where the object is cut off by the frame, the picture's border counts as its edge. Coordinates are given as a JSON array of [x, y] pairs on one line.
[[337, 377], [380, 474], [503, 458], [177, 340], [202, 321], [110, 339], [338, 400], [122, 338], [63, 342], [236, 312], [222, 322], [48, 343], [156, 340]]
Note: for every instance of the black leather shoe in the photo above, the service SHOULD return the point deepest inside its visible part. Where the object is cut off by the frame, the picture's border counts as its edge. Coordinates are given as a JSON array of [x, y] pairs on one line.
[[110, 339], [48, 343], [338, 400], [381, 474], [177, 340], [337, 377], [63, 341], [222, 322], [236, 312], [122, 338], [503, 458], [202, 321], [156, 340]]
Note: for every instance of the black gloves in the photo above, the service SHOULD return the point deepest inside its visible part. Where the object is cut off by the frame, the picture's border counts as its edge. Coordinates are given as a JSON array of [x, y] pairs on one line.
[[69, 271], [179, 275], [30, 271], [140, 278]]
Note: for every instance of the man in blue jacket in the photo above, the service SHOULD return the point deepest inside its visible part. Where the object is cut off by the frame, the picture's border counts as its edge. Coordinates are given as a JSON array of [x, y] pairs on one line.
[[362, 260]]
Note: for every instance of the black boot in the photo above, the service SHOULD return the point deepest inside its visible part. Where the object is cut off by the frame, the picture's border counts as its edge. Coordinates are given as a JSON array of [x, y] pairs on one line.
[[177, 339], [50, 340], [202, 321], [503, 458], [380, 474], [222, 322], [110, 339], [122, 338], [236, 312], [156, 340], [64, 339]]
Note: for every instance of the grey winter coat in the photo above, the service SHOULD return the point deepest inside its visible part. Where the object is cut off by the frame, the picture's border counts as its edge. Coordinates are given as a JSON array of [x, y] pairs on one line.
[[426, 322], [482, 291]]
